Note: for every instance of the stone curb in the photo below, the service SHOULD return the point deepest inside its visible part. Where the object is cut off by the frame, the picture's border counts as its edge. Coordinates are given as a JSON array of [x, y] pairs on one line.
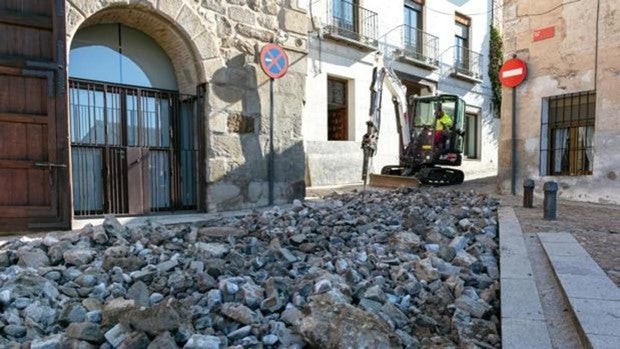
[[523, 323], [594, 299]]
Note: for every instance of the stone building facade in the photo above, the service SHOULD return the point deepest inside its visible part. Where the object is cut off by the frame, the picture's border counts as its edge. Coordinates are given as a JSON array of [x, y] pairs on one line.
[[419, 41], [567, 128], [213, 46]]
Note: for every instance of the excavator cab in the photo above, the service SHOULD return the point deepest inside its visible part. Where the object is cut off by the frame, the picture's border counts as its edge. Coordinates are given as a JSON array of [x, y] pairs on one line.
[[429, 147], [428, 150]]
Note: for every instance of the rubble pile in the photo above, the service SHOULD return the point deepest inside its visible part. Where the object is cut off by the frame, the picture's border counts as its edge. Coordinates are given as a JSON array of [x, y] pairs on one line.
[[401, 269]]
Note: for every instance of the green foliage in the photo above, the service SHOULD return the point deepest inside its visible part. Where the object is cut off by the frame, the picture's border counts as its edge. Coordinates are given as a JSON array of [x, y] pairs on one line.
[[496, 55]]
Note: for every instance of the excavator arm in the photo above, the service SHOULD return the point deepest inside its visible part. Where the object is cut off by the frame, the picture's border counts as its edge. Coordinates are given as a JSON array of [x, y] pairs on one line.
[[384, 75]]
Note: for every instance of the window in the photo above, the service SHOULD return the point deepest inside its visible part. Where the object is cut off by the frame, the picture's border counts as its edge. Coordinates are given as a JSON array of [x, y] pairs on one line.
[[461, 42], [337, 112], [134, 145], [412, 33], [345, 16], [569, 128], [471, 135]]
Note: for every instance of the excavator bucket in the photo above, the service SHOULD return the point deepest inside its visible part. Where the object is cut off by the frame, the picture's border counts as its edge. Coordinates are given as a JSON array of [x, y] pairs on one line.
[[390, 181]]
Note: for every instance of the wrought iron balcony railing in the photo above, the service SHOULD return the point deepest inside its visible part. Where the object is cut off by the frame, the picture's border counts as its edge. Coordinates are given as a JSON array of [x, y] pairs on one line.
[[467, 63], [419, 45], [349, 21]]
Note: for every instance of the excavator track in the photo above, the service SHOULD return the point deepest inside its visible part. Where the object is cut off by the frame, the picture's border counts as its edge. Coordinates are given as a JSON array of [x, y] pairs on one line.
[[440, 176]]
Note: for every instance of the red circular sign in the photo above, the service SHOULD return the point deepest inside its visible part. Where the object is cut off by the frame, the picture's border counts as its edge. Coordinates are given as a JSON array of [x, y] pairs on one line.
[[274, 61], [513, 72]]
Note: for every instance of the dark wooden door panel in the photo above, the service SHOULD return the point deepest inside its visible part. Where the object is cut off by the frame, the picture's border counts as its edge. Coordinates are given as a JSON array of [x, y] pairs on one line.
[[34, 177]]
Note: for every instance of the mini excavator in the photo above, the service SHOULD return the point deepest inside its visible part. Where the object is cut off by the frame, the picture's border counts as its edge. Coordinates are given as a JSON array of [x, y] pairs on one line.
[[420, 154]]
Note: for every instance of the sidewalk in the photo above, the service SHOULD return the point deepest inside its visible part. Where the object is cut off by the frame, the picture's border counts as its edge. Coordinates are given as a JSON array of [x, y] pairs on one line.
[[582, 254]]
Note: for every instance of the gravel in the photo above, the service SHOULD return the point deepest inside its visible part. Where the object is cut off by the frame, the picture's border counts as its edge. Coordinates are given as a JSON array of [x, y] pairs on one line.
[[407, 268]]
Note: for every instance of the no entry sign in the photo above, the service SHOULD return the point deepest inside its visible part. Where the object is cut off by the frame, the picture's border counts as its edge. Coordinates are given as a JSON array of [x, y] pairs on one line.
[[513, 72], [274, 61]]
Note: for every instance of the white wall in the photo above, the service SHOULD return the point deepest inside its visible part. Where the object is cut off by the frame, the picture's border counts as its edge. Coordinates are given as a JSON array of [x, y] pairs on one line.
[[330, 58]]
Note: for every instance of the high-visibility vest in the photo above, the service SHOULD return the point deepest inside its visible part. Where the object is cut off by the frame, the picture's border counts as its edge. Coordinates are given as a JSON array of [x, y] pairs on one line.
[[446, 120]]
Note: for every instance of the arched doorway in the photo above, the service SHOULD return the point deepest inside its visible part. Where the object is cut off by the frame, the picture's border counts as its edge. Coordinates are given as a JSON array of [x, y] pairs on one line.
[[134, 144]]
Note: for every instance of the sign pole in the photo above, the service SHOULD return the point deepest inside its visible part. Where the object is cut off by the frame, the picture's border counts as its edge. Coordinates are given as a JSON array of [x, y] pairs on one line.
[[271, 163], [513, 181], [274, 61], [511, 74]]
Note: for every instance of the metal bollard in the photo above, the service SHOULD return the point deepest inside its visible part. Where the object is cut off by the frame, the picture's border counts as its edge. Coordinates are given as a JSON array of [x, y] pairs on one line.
[[550, 201], [528, 193]]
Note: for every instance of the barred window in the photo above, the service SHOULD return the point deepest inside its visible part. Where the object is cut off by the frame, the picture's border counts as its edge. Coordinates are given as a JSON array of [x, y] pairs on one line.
[[569, 129]]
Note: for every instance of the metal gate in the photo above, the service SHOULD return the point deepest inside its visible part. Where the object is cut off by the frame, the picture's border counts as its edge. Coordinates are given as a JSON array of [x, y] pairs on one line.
[[134, 150]]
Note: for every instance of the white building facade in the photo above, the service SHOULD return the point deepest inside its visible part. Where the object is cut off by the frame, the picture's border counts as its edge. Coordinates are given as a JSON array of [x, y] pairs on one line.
[[435, 47]]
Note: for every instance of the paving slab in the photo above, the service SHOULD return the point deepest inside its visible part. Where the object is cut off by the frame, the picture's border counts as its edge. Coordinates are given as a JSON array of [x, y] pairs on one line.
[[520, 334], [512, 264], [523, 324], [554, 237], [573, 265], [594, 299], [592, 287], [561, 248], [519, 303], [604, 342], [598, 316]]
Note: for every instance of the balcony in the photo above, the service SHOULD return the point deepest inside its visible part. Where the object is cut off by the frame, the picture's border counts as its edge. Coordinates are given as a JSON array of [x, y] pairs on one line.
[[350, 23], [467, 65], [414, 46]]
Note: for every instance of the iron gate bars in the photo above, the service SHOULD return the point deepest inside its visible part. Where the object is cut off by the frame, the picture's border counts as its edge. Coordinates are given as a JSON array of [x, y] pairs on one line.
[[134, 149]]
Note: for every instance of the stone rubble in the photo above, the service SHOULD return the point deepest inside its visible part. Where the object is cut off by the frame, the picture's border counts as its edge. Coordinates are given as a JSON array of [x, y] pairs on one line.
[[409, 268]]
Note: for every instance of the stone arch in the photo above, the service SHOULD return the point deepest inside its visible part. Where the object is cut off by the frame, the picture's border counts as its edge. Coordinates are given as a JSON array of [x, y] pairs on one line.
[[178, 37]]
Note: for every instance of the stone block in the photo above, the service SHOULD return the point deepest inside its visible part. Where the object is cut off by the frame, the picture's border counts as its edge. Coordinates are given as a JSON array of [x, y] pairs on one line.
[[169, 7], [222, 192], [190, 22], [206, 45], [267, 22], [254, 33], [50, 342], [213, 5], [241, 15], [257, 191], [239, 123], [294, 84], [227, 146], [295, 22], [218, 122], [74, 20], [271, 7]]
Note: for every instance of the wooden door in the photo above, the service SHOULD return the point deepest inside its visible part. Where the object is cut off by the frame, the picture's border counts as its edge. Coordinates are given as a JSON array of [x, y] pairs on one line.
[[34, 143]]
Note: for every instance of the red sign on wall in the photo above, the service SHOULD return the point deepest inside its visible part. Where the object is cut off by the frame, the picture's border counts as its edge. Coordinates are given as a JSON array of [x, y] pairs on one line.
[[544, 33]]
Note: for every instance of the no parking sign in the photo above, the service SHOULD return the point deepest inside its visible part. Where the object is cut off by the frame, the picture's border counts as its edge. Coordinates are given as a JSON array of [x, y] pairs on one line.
[[274, 61]]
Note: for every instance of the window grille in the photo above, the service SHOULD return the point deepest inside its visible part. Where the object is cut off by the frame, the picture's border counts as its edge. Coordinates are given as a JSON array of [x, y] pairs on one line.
[[567, 134]]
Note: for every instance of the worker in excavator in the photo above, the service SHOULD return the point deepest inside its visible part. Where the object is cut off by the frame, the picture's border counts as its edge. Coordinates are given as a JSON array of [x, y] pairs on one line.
[[443, 123]]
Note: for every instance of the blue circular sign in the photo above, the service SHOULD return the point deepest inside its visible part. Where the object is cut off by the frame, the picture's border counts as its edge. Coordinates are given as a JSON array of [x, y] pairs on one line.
[[274, 61]]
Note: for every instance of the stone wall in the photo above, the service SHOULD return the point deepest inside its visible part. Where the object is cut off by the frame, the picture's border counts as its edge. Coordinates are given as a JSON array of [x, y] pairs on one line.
[[217, 43], [573, 60]]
